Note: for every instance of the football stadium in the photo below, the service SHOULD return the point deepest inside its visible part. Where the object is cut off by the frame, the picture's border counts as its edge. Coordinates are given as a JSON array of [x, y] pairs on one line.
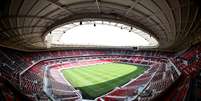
[[100, 50]]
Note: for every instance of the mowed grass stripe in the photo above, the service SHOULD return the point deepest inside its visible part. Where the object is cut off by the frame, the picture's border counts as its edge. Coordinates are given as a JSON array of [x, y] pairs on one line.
[[96, 80], [110, 72], [102, 74], [106, 86], [102, 77], [105, 77], [80, 77]]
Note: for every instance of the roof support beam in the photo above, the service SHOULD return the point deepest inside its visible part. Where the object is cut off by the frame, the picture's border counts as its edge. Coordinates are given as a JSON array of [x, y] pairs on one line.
[[98, 5], [132, 6], [60, 6]]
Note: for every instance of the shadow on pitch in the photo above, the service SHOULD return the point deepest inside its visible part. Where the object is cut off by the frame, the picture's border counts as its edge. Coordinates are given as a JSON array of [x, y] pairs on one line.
[[96, 90]]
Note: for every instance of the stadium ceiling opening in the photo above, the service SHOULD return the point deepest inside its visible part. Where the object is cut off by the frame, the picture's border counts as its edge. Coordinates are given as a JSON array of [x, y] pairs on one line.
[[99, 34]]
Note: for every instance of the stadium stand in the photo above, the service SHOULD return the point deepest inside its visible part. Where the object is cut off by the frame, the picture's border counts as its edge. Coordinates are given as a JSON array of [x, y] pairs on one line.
[[32, 54], [193, 89], [190, 61], [157, 78]]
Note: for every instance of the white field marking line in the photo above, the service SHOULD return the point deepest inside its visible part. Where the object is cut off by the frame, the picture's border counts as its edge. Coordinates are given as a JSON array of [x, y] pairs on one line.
[[86, 81], [64, 91], [78, 93], [91, 82], [96, 81], [68, 81], [109, 74], [71, 67], [101, 73], [103, 79], [125, 84], [60, 69]]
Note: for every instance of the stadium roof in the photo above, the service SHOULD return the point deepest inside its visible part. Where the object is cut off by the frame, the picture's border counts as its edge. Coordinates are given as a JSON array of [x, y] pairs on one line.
[[24, 24]]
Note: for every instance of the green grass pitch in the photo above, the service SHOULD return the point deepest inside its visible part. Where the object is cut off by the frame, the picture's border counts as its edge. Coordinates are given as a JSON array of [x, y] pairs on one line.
[[96, 80]]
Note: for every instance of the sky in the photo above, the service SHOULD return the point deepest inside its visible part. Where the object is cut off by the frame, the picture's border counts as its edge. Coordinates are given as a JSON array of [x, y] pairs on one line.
[[105, 35]]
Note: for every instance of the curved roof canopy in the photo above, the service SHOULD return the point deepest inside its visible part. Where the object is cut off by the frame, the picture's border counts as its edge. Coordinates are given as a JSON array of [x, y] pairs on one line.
[[174, 23], [99, 34]]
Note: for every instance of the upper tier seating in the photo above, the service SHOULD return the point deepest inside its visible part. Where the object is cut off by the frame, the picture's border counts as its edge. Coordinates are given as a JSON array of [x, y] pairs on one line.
[[190, 61]]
